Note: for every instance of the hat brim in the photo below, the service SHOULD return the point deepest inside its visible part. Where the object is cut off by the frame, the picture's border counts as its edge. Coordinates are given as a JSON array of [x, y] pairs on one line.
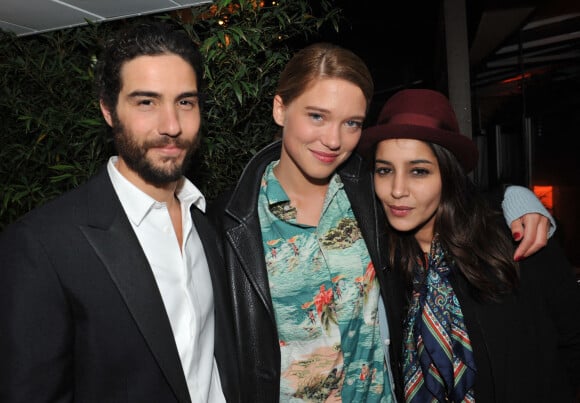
[[462, 147]]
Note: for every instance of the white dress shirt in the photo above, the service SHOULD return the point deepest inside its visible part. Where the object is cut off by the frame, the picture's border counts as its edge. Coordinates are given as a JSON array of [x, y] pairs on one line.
[[183, 278]]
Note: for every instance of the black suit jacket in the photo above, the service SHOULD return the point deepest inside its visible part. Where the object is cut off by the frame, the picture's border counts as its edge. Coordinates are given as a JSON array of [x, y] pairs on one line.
[[81, 315]]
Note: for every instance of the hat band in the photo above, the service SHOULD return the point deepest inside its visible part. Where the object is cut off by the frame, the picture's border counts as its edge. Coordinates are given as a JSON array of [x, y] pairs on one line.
[[416, 119]]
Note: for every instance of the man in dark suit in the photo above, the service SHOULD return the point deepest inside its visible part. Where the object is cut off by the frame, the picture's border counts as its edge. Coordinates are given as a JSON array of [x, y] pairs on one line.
[[114, 291]]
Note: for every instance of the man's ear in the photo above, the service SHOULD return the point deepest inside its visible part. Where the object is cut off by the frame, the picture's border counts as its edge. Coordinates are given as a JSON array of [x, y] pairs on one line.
[[106, 113], [278, 110]]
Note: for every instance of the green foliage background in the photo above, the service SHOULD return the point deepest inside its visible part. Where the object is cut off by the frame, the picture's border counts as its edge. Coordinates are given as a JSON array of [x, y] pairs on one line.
[[52, 136]]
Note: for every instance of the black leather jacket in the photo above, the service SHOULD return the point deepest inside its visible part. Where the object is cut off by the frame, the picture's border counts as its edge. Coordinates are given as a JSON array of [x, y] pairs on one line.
[[257, 337]]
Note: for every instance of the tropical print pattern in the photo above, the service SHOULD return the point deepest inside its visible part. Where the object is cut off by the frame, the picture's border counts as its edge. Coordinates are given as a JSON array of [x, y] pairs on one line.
[[325, 297]]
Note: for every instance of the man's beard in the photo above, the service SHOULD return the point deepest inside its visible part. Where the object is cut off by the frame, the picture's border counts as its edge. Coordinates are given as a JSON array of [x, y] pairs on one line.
[[135, 155]]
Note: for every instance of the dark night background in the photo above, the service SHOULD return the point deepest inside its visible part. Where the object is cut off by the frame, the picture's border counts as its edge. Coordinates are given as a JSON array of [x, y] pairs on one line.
[[396, 39]]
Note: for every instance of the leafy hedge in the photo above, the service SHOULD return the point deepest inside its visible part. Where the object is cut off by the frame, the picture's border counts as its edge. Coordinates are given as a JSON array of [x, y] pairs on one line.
[[52, 136]]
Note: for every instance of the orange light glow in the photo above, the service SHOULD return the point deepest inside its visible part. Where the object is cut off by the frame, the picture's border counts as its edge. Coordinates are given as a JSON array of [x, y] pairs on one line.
[[519, 77], [545, 194]]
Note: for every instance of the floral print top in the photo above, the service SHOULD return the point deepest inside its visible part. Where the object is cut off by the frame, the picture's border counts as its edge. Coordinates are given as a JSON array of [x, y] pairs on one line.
[[325, 297]]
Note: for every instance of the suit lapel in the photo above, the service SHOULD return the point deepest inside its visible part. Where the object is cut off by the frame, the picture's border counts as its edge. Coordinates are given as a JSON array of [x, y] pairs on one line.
[[110, 234], [224, 352], [208, 238]]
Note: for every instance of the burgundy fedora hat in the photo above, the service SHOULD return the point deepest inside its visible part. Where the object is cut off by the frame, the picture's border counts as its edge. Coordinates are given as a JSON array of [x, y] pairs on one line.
[[420, 114]]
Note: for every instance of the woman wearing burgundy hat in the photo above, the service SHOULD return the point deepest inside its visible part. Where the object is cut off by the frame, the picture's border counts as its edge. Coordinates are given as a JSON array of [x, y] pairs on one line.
[[303, 249], [480, 326]]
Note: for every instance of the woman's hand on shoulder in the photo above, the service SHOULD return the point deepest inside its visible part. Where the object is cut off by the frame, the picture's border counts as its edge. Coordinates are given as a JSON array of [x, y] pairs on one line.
[[531, 231]]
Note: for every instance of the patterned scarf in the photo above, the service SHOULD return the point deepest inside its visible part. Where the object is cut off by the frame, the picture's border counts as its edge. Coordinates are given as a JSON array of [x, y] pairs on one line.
[[438, 359]]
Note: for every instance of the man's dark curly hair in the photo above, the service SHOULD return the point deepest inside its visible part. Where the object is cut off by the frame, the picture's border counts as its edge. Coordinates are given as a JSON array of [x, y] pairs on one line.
[[142, 39]]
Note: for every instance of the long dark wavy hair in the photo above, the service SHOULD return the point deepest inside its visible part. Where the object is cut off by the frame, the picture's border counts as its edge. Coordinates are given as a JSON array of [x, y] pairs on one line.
[[472, 233]]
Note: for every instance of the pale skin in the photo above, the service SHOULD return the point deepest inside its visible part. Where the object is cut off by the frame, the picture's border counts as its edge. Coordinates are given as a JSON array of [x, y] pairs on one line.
[[158, 98], [408, 184], [320, 133], [532, 232]]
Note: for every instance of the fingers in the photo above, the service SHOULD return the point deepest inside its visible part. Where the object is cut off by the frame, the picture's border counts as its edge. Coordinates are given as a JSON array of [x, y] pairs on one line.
[[517, 228], [534, 230]]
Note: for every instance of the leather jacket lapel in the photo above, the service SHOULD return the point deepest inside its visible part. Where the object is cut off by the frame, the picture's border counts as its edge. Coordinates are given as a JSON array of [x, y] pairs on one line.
[[252, 261], [243, 231]]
